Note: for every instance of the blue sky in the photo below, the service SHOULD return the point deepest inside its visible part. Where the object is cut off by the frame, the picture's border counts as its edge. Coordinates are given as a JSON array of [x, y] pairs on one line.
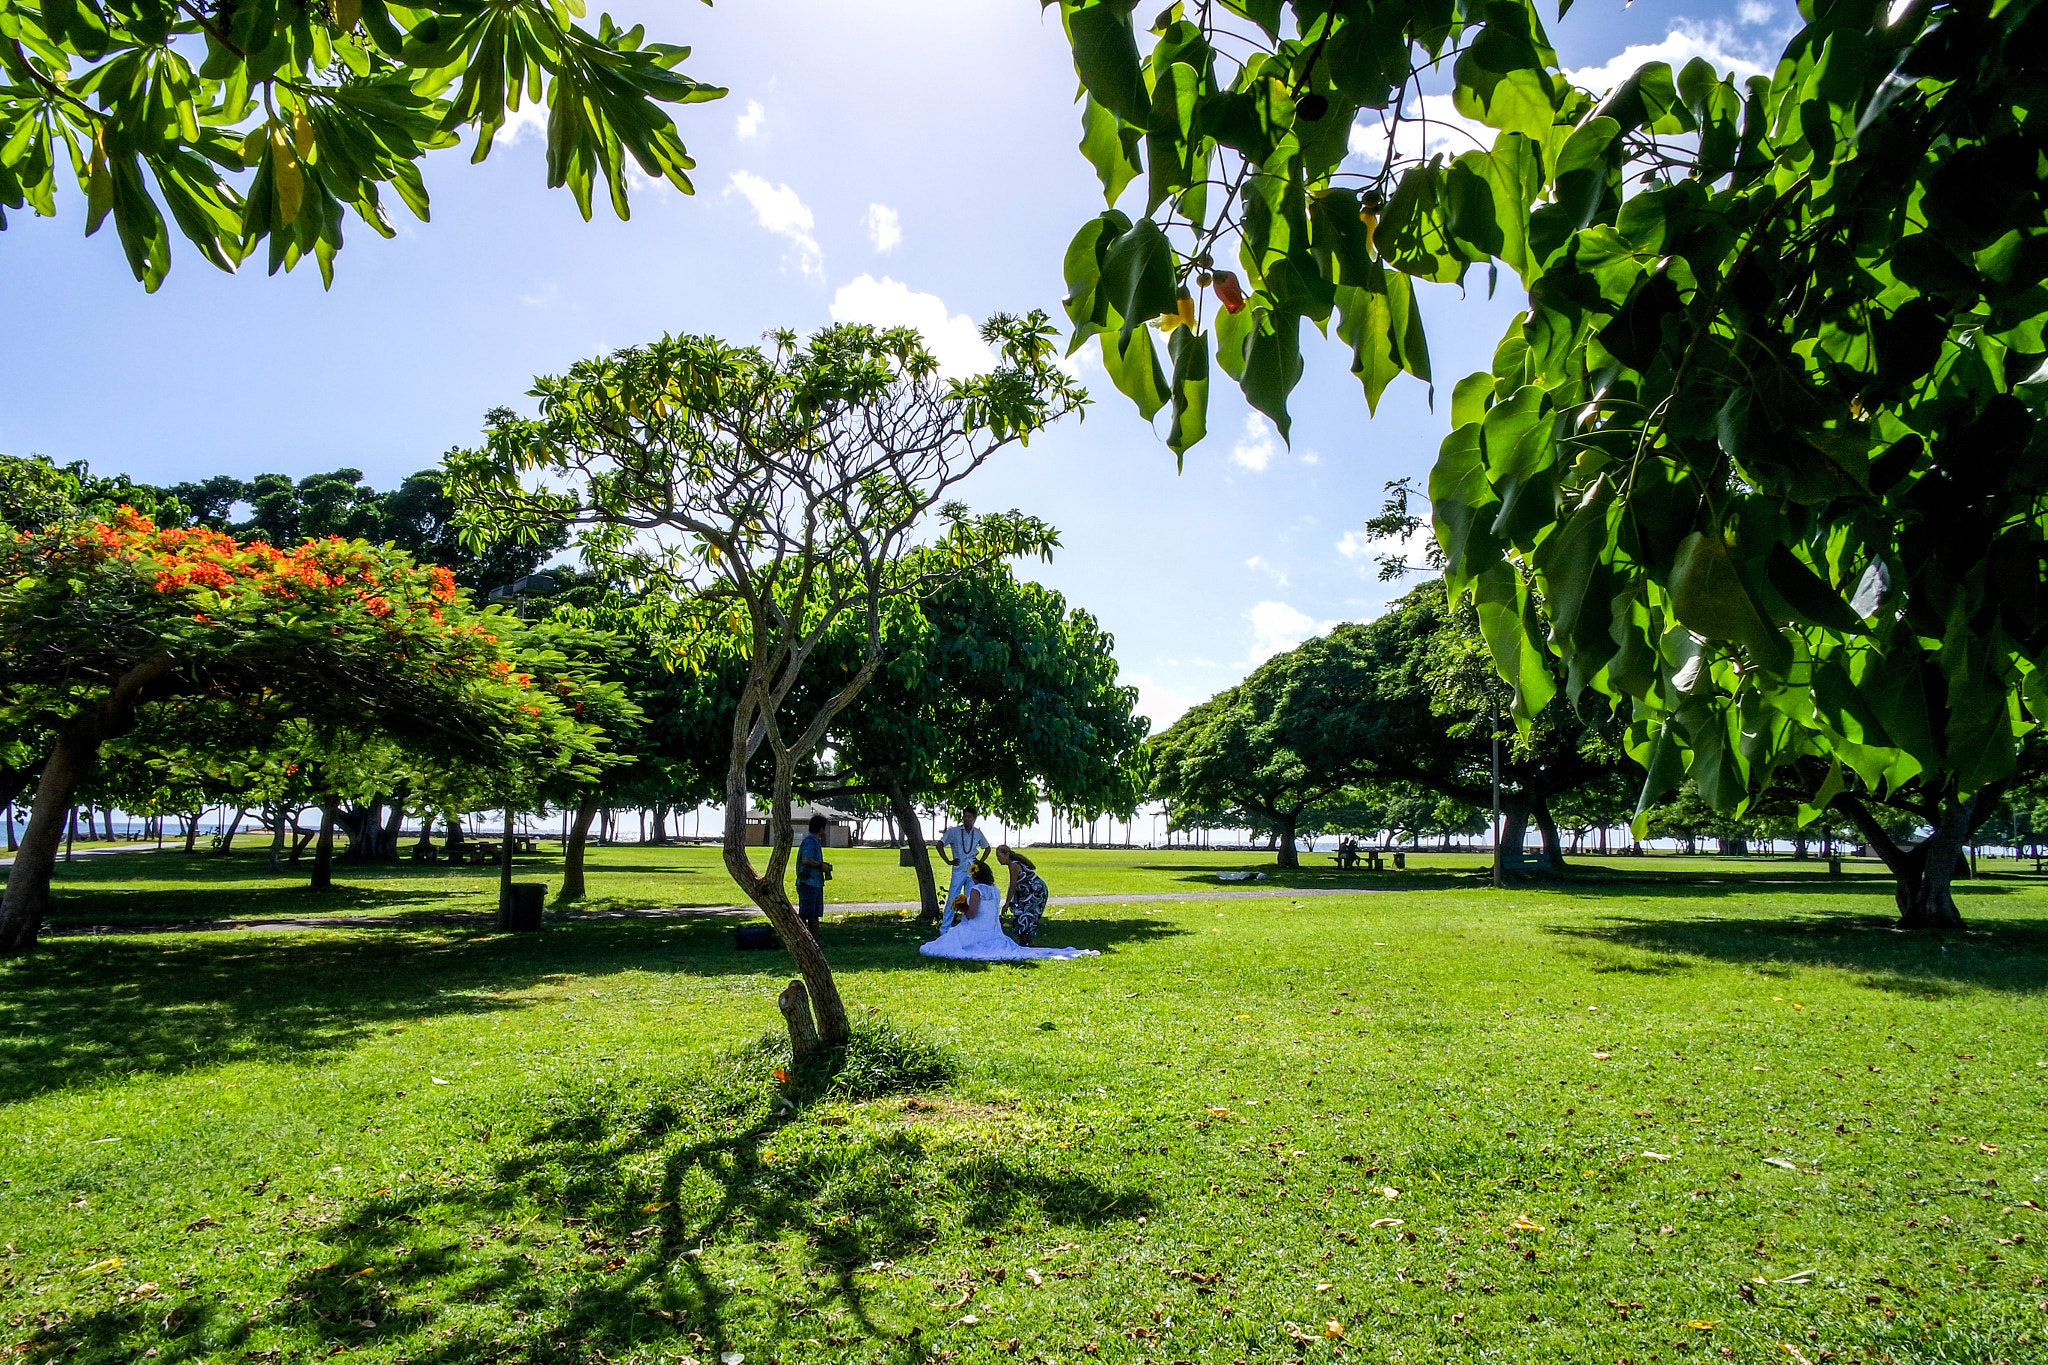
[[894, 161]]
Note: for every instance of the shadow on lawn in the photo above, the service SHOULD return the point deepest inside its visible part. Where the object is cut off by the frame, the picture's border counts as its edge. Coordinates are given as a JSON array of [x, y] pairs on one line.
[[80, 1009], [1991, 954], [591, 1236]]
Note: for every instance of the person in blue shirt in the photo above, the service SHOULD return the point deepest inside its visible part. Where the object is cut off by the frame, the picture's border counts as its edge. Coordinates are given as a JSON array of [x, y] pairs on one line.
[[811, 872]]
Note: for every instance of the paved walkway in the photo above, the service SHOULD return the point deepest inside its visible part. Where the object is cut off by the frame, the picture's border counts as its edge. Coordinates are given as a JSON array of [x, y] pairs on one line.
[[483, 919]]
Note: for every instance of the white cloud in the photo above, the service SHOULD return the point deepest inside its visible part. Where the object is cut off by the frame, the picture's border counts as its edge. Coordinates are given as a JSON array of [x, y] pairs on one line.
[[1258, 564], [1719, 46], [1756, 12], [1433, 126], [1259, 444], [749, 123], [885, 229], [953, 338], [1277, 626], [530, 119], [1157, 702], [778, 209], [1311, 458]]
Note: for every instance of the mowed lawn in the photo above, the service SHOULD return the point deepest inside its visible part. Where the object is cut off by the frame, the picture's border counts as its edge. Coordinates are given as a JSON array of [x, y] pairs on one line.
[[1670, 1109]]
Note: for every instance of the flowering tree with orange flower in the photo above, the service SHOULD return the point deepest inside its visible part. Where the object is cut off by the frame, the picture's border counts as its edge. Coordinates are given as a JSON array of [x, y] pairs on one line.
[[103, 619]]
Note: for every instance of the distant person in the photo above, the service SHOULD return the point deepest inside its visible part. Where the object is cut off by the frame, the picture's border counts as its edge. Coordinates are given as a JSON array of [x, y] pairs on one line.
[[811, 872], [962, 847], [1026, 898]]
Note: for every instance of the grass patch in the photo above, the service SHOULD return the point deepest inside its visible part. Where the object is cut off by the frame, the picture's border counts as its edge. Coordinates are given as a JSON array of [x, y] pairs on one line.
[[1710, 1116]]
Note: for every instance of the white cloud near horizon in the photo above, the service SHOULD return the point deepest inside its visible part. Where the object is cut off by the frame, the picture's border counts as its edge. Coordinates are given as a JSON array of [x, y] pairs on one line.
[[1257, 447], [953, 338], [1277, 626], [885, 229], [1719, 45], [749, 123], [778, 209]]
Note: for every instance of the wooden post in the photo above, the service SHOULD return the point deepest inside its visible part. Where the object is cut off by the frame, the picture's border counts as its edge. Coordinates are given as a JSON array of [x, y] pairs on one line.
[[795, 1004]]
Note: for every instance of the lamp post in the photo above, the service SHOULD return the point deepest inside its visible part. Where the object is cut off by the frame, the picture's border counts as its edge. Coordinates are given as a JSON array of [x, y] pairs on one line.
[[1499, 867]]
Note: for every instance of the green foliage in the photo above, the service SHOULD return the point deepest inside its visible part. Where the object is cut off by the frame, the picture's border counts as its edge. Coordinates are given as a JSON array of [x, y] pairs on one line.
[[154, 105], [1762, 463], [878, 1059]]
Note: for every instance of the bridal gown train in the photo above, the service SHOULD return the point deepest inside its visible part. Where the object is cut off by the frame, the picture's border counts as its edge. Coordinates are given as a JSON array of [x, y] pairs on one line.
[[981, 938]]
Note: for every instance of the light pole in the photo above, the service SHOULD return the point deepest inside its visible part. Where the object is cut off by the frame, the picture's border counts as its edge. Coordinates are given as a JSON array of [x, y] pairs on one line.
[[1499, 868]]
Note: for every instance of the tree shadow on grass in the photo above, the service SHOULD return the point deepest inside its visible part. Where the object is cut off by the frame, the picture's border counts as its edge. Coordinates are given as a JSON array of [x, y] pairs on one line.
[[78, 1010], [621, 1222], [2008, 955]]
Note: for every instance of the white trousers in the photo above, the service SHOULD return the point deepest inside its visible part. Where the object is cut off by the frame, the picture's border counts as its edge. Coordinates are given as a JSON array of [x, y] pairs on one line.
[[963, 877]]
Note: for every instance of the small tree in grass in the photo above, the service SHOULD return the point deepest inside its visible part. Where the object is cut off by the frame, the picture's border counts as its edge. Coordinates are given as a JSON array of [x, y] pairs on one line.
[[774, 491], [102, 620]]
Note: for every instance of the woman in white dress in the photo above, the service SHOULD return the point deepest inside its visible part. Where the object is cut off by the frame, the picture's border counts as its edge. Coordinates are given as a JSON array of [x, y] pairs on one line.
[[977, 936]]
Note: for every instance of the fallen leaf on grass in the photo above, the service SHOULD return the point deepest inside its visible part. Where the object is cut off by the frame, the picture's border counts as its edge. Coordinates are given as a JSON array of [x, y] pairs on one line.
[[438, 1081], [1702, 1325], [1656, 1156], [1990, 1147], [1390, 1192], [1219, 1113], [1780, 1163], [1602, 1056], [970, 1321], [1385, 1223], [1333, 1328], [1033, 1276], [656, 1207], [1527, 1224]]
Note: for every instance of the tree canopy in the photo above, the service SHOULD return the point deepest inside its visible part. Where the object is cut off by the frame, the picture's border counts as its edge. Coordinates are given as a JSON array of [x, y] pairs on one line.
[[102, 620], [153, 105], [1764, 446]]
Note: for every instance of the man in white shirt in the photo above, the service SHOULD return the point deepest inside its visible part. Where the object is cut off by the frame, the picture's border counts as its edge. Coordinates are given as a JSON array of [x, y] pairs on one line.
[[960, 846]]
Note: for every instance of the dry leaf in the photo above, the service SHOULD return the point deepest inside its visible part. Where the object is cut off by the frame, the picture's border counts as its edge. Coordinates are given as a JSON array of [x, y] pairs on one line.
[[1033, 1276], [1602, 1056], [1656, 1156], [1385, 1223], [1527, 1224], [1333, 1328], [1702, 1325], [1390, 1192]]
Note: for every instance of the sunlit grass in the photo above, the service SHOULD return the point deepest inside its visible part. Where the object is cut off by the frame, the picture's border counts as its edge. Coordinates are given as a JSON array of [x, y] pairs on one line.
[[1740, 1113]]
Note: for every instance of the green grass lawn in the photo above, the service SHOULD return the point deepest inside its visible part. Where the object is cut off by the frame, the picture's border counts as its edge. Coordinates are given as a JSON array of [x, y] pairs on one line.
[[1673, 1109], [175, 887]]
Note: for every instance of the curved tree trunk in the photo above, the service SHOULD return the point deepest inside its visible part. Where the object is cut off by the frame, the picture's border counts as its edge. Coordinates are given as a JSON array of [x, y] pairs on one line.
[[227, 838], [572, 851], [72, 756], [323, 847], [1925, 873], [1514, 834], [277, 837], [912, 829]]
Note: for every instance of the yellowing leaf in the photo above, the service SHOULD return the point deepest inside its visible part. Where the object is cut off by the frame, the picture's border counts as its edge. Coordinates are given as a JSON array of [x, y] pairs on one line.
[[1602, 1056], [1526, 1224], [1390, 1192], [1333, 1328], [1386, 1222], [286, 179], [1702, 1325]]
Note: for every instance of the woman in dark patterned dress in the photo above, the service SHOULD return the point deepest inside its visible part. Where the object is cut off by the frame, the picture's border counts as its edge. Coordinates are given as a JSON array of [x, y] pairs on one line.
[[1027, 895]]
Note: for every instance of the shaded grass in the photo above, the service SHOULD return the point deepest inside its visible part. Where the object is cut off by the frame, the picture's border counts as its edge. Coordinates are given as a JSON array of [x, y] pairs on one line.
[[456, 1146]]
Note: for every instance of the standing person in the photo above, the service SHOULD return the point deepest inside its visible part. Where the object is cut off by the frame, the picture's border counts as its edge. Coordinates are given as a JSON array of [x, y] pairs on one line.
[[1026, 898], [811, 872], [962, 847]]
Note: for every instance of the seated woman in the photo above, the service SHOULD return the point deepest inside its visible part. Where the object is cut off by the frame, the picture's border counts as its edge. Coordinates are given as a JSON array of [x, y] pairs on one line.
[[977, 936]]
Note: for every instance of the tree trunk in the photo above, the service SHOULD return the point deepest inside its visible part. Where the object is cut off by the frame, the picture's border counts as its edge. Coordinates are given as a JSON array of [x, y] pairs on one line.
[[394, 823], [1553, 851], [920, 852], [1924, 873], [227, 838], [191, 823], [426, 841], [795, 1004], [765, 889], [1514, 834], [661, 824], [278, 838], [11, 845], [454, 833], [323, 847], [27, 898], [572, 851], [1285, 854]]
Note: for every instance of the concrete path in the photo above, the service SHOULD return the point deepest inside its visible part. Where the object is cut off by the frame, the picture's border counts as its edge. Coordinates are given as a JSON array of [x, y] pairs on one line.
[[482, 919]]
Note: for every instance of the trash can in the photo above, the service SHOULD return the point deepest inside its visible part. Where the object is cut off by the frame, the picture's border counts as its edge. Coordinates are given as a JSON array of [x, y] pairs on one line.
[[1400, 861], [522, 914], [1834, 867], [904, 858]]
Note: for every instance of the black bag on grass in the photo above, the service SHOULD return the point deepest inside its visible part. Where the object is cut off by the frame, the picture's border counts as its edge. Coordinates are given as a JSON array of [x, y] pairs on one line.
[[755, 938]]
